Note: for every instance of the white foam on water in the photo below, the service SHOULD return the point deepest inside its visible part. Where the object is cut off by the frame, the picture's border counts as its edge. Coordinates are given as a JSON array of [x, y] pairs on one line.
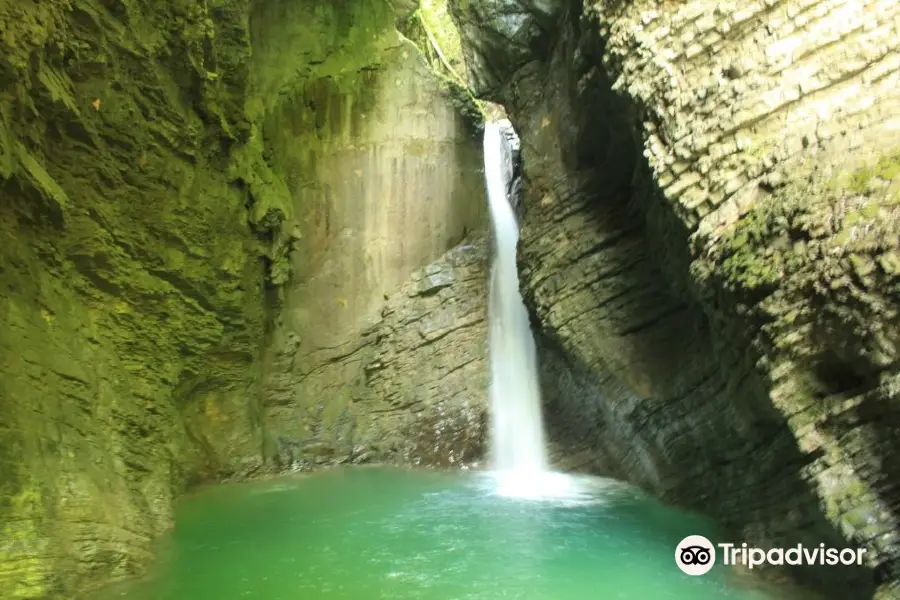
[[556, 488]]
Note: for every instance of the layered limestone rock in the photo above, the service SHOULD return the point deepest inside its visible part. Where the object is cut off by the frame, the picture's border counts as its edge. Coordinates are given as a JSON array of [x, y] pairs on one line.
[[408, 388], [158, 184], [710, 247], [130, 284], [385, 176]]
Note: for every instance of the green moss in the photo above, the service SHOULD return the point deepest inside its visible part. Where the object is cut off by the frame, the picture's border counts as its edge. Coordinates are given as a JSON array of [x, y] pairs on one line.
[[849, 492], [842, 238], [19, 541], [745, 265], [862, 265], [269, 196], [740, 239], [436, 16], [862, 180], [468, 106], [893, 198], [154, 281], [869, 210], [336, 41], [152, 294], [890, 262], [42, 180], [434, 33], [888, 167]]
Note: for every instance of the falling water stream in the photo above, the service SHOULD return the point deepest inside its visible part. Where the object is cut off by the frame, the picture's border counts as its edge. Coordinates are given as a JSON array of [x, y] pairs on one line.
[[518, 446], [517, 428]]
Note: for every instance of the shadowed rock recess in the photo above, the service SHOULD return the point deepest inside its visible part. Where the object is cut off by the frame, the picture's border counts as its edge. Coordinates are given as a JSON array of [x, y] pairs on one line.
[[194, 197], [710, 251]]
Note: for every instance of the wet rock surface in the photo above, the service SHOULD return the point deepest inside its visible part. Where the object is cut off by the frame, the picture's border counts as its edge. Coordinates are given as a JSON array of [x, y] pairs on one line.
[[709, 223], [385, 176], [410, 389]]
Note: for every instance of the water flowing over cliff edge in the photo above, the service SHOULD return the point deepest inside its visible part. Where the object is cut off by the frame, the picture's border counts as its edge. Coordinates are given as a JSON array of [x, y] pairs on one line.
[[517, 425]]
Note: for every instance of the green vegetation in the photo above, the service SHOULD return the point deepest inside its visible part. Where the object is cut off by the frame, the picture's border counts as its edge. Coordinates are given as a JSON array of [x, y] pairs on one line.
[[433, 31], [143, 234], [757, 252], [751, 258], [888, 166], [861, 181], [307, 41]]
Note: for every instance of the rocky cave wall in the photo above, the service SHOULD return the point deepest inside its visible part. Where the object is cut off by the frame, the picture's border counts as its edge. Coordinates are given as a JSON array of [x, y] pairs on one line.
[[164, 167], [710, 251]]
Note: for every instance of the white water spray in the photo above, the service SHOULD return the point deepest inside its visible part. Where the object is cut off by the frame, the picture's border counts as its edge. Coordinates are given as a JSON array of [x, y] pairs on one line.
[[517, 428], [518, 446]]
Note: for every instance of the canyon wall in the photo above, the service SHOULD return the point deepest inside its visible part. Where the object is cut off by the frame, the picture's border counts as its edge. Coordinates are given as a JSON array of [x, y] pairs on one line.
[[131, 286], [165, 170], [710, 248], [385, 176], [407, 388]]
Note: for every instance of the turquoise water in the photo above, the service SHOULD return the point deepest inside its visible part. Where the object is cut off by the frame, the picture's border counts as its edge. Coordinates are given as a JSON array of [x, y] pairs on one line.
[[372, 534]]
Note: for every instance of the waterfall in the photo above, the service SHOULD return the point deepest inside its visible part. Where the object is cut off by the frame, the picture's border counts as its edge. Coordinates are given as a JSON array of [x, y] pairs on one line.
[[517, 429]]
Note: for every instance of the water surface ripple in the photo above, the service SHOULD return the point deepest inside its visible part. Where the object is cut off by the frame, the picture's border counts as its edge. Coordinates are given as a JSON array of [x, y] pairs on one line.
[[380, 533]]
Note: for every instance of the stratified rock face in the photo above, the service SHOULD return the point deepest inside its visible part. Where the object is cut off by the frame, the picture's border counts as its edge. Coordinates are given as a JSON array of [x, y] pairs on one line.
[[130, 282], [410, 388], [710, 245], [385, 177]]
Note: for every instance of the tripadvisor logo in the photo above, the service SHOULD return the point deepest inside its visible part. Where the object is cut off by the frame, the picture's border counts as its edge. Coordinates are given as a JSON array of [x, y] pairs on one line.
[[696, 555]]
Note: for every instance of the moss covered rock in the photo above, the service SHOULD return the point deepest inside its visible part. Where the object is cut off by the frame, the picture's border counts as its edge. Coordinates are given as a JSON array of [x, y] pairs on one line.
[[148, 223], [131, 282], [385, 174]]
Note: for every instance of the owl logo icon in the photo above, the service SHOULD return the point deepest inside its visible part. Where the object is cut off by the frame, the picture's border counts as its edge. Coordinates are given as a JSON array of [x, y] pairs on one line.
[[695, 555]]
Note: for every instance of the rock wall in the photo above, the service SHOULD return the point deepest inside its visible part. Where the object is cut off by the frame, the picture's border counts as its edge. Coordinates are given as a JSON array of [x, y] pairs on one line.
[[164, 167], [409, 388], [709, 246], [385, 175], [131, 285]]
